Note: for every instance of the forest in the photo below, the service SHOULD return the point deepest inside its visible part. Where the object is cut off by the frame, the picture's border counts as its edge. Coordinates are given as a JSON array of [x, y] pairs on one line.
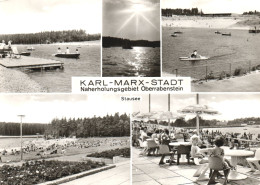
[[120, 42], [208, 123], [110, 125], [168, 12], [49, 37], [13, 129]]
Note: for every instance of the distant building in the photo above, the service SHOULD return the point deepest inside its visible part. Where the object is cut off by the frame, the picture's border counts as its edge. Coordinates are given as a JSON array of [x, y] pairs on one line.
[[222, 123], [216, 15]]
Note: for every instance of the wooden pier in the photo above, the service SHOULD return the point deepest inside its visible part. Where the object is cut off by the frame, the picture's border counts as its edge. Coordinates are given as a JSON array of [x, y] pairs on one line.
[[30, 63]]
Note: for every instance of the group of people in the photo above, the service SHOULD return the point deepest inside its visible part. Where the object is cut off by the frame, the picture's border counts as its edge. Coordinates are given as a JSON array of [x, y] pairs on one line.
[[67, 51], [205, 148]]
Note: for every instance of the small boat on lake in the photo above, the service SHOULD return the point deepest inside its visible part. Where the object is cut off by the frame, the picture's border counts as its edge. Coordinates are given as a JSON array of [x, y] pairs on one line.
[[217, 32], [226, 34], [67, 55], [174, 35], [25, 53], [254, 30], [193, 59], [177, 32], [30, 48]]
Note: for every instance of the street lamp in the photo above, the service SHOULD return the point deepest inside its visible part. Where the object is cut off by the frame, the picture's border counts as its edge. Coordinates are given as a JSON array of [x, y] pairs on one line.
[[21, 135]]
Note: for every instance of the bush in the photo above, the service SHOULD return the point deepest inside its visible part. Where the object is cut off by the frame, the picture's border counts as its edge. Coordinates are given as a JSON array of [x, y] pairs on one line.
[[222, 75], [210, 76], [237, 72], [125, 152], [35, 172]]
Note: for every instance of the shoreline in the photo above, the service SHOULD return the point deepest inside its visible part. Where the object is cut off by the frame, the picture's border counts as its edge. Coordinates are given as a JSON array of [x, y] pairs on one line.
[[81, 43], [15, 81], [233, 22], [246, 83]]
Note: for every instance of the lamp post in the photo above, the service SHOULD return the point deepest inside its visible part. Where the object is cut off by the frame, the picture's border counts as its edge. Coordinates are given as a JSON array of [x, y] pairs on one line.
[[21, 134]]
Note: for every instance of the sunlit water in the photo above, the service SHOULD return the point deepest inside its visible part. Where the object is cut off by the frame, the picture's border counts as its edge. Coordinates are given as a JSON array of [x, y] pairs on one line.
[[139, 61], [238, 49], [60, 80]]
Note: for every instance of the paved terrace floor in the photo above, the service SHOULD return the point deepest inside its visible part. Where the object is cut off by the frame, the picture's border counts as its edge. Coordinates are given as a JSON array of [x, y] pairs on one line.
[[146, 171]]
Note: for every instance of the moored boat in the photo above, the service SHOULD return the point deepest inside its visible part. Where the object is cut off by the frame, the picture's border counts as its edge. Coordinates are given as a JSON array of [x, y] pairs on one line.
[[226, 34], [25, 53], [67, 55], [30, 48]]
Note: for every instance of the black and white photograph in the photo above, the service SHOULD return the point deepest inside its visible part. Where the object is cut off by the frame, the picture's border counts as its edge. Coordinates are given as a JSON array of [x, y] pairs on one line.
[[215, 42], [196, 139], [131, 38], [64, 139], [45, 43]]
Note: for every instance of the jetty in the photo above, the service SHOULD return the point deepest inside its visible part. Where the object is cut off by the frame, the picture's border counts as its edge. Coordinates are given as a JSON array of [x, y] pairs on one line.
[[31, 63]]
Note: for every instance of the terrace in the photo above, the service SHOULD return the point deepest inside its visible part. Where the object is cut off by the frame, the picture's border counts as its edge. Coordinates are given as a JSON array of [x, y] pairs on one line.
[[145, 170]]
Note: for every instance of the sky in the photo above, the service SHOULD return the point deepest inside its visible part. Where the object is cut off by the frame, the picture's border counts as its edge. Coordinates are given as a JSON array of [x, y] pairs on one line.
[[42, 108], [214, 6], [30, 16], [132, 19], [229, 106]]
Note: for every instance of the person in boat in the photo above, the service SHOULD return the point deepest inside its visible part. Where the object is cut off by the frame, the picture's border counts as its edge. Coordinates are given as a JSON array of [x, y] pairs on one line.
[[194, 54], [9, 44], [59, 50], [67, 50], [77, 51]]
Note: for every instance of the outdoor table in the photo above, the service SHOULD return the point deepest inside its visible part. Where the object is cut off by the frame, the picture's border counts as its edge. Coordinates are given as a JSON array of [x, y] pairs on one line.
[[234, 154], [179, 143]]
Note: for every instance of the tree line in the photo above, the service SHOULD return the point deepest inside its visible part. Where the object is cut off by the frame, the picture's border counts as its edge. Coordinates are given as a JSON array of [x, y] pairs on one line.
[[120, 42], [13, 129], [109, 125], [192, 122], [48, 37], [251, 13], [168, 12]]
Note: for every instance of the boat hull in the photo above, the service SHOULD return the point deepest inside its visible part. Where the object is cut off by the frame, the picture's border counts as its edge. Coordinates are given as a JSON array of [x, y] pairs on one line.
[[25, 53], [71, 55], [193, 59]]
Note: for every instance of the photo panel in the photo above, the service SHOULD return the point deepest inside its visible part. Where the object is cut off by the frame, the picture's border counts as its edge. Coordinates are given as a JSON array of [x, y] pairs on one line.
[[131, 38], [182, 139], [213, 42], [64, 138], [45, 43]]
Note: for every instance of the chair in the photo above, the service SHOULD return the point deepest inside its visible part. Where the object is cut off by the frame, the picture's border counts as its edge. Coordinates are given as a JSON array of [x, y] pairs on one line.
[[215, 165], [151, 145], [255, 160], [183, 150], [15, 52]]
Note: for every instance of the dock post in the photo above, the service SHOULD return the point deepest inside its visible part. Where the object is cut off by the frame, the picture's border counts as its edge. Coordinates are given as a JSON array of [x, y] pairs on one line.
[[176, 72], [230, 68], [249, 66], [206, 73]]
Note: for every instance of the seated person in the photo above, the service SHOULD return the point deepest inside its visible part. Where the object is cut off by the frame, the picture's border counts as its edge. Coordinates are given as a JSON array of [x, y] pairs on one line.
[[194, 54], [219, 152]]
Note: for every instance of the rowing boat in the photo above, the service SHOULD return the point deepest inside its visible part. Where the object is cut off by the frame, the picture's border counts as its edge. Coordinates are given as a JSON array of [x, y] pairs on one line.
[[67, 55], [193, 59]]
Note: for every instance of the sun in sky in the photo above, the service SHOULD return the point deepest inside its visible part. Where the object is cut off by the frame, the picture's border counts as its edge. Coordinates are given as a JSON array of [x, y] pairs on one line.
[[134, 19]]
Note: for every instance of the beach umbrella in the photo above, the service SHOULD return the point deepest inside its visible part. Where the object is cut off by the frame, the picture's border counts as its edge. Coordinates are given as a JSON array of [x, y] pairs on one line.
[[166, 115], [198, 110]]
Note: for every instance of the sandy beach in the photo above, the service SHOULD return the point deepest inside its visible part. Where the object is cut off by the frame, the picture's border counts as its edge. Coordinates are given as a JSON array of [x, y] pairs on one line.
[[14, 81], [233, 22]]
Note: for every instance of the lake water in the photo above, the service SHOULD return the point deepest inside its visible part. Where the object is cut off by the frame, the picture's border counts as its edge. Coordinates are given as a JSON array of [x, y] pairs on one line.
[[238, 49], [251, 130], [139, 61], [60, 80], [6, 143]]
